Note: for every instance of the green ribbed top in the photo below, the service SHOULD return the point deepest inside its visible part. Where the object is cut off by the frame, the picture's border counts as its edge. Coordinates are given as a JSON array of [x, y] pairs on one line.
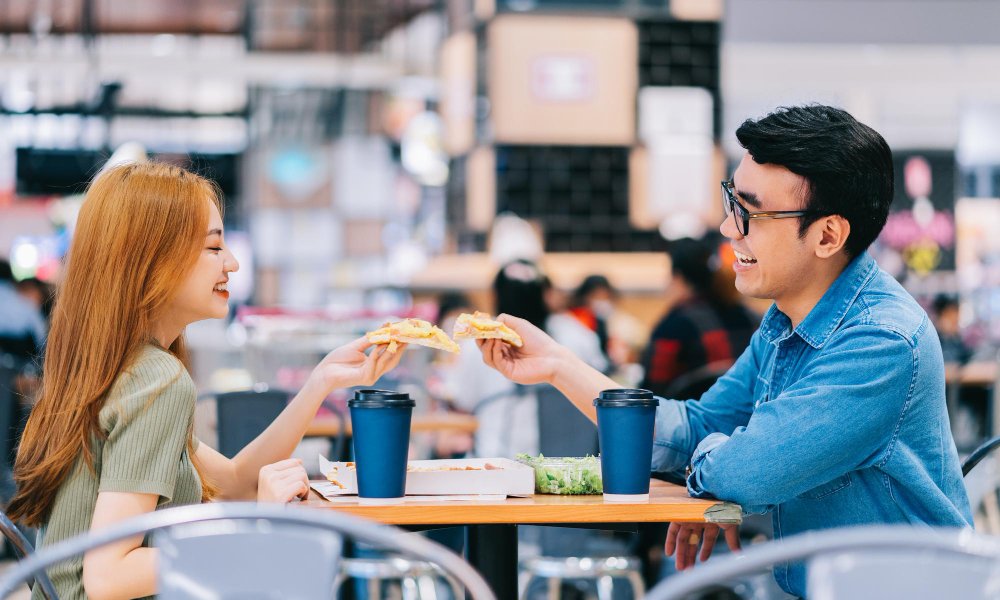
[[147, 416]]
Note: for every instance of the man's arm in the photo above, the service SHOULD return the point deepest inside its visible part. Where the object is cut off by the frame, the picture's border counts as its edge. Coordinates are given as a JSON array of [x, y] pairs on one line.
[[838, 417], [541, 360], [727, 405]]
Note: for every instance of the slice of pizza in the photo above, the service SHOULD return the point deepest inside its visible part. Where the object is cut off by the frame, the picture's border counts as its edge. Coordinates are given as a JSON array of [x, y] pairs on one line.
[[482, 326], [412, 331]]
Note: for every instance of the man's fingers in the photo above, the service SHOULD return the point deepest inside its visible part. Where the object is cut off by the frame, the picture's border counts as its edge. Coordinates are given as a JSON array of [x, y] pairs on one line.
[[733, 537], [361, 344], [671, 539], [711, 534]]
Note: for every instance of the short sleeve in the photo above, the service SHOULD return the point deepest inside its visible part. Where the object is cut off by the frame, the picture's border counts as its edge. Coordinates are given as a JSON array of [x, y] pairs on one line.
[[151, 411]]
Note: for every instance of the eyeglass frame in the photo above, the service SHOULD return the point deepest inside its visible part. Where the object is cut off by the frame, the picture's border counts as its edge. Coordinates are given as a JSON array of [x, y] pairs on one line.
[[731, 207]]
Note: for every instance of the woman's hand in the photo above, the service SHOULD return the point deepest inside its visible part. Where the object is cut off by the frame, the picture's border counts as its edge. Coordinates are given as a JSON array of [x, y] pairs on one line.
[[349, 366], [282, 481], [537, 361]]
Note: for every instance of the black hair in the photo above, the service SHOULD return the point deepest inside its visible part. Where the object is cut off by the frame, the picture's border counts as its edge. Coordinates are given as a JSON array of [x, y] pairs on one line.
[[692, 260], [942, 302], [847, 165], [6, 273], [520, 288], [452, 300], [590, 284]]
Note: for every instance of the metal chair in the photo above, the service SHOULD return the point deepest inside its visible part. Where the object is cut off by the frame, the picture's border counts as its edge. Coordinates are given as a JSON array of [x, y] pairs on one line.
[[248, 550], [977, 455], [887, 562], [417, 579], [601, 570], [565, 431], [981, 471], [22, 548]]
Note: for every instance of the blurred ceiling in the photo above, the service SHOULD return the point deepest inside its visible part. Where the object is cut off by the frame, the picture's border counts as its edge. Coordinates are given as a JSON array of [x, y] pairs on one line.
[[343, 26]]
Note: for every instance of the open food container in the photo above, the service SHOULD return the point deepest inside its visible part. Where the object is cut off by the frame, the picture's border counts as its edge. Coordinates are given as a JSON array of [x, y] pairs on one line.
[[476, 476], [565, 475]]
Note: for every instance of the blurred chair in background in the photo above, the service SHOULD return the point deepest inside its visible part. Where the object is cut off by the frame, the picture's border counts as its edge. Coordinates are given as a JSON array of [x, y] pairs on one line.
[[981, 472]]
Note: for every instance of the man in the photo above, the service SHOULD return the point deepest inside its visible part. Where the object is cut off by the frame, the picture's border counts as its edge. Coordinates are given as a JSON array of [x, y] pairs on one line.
[[835, 415]]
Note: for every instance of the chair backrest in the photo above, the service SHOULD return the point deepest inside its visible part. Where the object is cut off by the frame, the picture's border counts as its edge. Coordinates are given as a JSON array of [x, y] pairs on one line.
[[981, 471], [882, 561], [692, 385], [562, 429], [202, 556], [224, 534], [22, 547], [243, 415], [984, 450]]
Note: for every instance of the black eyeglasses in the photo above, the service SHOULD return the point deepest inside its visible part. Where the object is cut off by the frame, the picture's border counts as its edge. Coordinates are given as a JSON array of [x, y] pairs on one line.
[[742, 216]]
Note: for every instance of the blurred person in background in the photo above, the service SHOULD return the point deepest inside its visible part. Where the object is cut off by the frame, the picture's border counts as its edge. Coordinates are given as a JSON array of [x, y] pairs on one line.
[[110, 436], [705, 325], [40, 294], [835, 416], [945, 315], [508, 413], [448, 444], [592, 304], [22, 324], [595, 303]]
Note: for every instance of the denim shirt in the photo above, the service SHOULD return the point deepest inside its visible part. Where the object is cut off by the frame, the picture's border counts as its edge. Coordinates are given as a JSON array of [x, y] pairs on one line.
[[838, 422]]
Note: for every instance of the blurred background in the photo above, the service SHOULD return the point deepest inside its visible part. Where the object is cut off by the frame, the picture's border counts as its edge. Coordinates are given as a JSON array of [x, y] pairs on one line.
[[376, 154], [390, 158]]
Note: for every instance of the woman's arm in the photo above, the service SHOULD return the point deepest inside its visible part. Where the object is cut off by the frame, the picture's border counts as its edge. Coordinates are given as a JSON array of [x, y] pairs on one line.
[[344, 367], [123, 569]]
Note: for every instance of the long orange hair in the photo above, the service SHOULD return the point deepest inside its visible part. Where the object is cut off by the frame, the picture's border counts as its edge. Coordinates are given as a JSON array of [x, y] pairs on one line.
[[138, 234]]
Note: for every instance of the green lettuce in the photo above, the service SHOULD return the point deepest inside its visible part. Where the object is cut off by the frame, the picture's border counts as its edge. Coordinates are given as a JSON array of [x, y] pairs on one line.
[[567, 476]]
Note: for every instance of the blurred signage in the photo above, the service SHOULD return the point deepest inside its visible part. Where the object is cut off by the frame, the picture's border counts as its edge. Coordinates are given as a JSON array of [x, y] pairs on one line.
[[563, 78]]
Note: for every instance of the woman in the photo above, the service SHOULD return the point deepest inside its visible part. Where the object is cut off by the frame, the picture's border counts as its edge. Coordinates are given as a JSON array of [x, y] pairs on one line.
[[508, 414], [111, 435]]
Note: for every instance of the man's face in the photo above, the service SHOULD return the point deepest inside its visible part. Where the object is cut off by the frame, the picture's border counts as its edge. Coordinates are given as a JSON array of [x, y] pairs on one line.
[[771, 261]]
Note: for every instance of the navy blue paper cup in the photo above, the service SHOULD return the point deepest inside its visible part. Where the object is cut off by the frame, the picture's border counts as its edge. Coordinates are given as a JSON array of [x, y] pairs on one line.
[[380, 420], [625, 428]]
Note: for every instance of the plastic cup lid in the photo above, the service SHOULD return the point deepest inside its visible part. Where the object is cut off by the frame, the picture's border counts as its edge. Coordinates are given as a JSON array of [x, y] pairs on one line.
[[626, 397], [380, 398]]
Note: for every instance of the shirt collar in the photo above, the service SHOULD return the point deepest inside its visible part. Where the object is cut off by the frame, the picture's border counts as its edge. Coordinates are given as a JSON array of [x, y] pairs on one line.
[[824, 318]]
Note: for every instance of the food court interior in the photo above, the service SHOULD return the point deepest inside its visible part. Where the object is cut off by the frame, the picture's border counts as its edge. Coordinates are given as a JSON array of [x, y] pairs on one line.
[[382, 159]]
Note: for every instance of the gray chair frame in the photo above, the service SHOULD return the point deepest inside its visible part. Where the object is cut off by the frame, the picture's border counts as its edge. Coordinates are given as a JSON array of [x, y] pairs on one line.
[[383, 536], [977, 456], [961, 542], [23, 548]]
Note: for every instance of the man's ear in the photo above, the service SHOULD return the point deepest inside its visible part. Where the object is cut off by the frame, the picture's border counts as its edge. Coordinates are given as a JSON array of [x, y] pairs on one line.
[[834, 231]]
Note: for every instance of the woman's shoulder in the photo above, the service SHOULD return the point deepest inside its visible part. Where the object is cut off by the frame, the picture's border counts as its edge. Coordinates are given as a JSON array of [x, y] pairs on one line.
[[152, 373]]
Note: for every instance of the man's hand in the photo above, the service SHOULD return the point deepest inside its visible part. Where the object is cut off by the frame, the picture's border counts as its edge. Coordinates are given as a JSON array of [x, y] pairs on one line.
[[282, 481], [684, 538], [349, 366], [534, 362]]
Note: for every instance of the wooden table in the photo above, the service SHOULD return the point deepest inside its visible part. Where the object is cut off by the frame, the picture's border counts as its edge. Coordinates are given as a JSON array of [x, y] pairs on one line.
[[982, 374], [491, 546], [329, 426]]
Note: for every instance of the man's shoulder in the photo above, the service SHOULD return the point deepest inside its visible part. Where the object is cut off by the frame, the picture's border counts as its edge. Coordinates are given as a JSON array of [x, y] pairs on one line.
[[884, 304]]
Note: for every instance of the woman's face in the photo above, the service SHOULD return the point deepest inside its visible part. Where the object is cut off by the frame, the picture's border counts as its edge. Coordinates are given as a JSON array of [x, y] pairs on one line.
[[204, 293]]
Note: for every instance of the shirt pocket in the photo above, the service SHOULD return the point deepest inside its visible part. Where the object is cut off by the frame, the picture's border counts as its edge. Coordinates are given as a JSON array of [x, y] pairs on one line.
[[826, 489]]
